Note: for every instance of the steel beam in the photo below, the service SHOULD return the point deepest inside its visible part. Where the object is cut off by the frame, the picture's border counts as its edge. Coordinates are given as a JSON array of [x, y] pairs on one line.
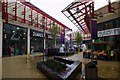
[[43, 13], [76, 20]]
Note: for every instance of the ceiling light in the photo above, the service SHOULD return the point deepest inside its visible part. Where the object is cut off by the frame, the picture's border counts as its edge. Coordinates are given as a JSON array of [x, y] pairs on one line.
[[18, 28]]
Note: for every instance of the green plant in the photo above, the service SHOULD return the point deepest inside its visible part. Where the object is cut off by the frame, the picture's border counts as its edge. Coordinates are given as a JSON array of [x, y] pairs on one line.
[[55, 31], [78, 37], [55, 65]]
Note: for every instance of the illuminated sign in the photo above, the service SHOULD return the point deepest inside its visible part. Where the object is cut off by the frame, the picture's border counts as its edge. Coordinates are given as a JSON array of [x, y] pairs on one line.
[[108, 32], [36, 34]]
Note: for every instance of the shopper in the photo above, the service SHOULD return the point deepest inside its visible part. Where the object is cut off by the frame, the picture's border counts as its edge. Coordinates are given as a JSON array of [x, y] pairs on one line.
[[12, 50], [83, 71], [32, 52]]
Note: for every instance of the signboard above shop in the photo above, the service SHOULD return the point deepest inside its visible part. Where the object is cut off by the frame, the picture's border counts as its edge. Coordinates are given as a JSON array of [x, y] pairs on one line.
[[39, 34], [34, 33], [108, 32]]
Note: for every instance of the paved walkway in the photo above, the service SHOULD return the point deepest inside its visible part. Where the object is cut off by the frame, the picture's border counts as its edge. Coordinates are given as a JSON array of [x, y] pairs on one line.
[[0, 67], [19, 67]]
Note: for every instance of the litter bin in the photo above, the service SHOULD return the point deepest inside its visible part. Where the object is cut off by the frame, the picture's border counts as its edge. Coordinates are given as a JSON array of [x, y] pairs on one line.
[[91, 71]]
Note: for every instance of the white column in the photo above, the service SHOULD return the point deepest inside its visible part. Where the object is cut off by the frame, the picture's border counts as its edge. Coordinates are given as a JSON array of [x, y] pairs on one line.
[[1, 34], [44, 41], [1, 41], [28, 44], [43, 25]]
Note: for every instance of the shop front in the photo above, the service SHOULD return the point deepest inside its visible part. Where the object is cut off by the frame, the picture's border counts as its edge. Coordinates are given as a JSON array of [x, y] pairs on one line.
[[110, 37], [14, 40], [36, 40], [49, 41]]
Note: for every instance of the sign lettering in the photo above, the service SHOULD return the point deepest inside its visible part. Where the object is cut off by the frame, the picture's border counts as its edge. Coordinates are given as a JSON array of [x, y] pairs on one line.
[[109, 32]]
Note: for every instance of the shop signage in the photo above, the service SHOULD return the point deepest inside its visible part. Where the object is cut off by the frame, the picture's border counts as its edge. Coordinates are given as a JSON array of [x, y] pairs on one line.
[[108, 32], [15, 39], [37, 34], [49, 36]]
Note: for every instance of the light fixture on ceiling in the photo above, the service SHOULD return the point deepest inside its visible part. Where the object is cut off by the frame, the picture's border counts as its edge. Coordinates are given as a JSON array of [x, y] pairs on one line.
[[77, 10], [18, 28]]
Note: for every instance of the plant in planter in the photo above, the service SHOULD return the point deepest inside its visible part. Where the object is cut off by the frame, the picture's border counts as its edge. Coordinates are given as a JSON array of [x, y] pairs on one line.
[[55, 31], [55, 65], [78, 38]]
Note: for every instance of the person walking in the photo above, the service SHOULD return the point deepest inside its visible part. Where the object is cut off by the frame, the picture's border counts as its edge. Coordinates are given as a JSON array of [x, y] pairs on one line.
[[32, 52]]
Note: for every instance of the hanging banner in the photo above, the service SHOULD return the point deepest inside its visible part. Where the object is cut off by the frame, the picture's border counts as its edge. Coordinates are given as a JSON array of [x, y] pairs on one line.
[[62, 38], [94, 28]]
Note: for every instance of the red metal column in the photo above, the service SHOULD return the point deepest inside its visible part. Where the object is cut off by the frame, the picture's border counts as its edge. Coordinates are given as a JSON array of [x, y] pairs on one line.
[[15, 10], [24, 14], [6, 11], [50, 24], [93, 15], [46, 24], [30, 16], [3, 10], [37, 19]]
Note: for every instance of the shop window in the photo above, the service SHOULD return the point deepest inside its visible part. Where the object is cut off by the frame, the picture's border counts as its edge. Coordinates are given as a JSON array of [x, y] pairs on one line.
[[14, 41], [117, 22]]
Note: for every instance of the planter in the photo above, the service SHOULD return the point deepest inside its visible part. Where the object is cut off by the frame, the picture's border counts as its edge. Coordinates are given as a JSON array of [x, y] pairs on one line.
[[66, 73]]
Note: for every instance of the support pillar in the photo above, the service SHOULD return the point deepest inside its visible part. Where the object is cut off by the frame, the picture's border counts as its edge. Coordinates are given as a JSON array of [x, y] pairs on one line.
[[1, 34], [44, 45], [44, 41], [28, 44], [1, 39]]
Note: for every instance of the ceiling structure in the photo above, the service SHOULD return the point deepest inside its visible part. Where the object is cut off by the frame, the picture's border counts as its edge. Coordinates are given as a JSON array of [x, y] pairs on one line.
[[26, 12], [78, 12]]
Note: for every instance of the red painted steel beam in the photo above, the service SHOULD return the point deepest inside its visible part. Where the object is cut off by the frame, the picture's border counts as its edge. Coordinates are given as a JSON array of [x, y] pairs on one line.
[[15, 11], [43, 13], [24, 13], [30, 16], [81, 20], [6, 11], [37, 19], [46, 24], [80, 10], [3, 10], [80, 15], [76, 20], [78, 5]]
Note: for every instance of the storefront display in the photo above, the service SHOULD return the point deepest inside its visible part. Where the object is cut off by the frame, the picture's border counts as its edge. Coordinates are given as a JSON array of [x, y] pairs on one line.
[[49, 41], [36, 41], [14, 40]]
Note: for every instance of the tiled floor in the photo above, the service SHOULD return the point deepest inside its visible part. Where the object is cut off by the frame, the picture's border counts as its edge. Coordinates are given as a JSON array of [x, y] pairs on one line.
[[19, 67], [0, 67]]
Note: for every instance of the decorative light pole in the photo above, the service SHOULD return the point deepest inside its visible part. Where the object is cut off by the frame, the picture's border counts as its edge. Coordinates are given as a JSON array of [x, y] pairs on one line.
[[90, 7], [43, 26]]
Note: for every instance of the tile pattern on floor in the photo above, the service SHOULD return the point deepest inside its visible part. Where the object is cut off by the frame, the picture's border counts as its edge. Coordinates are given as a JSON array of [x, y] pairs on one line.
[[19, 67]]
